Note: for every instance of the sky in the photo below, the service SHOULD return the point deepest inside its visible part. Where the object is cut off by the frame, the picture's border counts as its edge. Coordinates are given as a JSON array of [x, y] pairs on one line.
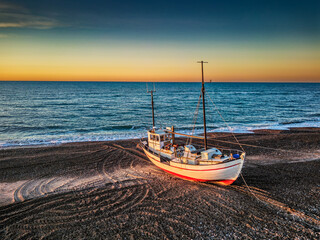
[[247, 40]]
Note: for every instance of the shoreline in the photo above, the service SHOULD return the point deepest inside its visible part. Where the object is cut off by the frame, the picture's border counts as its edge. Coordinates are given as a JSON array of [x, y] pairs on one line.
[[254, 131], [111, 190]]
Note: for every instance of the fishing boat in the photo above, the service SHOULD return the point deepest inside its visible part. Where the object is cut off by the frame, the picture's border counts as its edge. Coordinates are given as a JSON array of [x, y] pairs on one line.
[[204, 164]]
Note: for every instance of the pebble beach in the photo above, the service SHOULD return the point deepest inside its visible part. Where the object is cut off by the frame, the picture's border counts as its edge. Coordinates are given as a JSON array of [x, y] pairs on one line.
[[99, 190]]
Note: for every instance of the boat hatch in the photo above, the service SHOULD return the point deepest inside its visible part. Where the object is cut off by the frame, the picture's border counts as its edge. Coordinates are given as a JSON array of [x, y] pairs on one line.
[[189, 148], [210, 153]]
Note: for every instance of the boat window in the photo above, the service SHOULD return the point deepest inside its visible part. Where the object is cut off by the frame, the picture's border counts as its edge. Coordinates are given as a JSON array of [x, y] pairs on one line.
[[157, 138], [162, 137]]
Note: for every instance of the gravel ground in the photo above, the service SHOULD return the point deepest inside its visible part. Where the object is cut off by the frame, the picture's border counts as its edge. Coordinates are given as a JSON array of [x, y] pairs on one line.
[[110, 190]]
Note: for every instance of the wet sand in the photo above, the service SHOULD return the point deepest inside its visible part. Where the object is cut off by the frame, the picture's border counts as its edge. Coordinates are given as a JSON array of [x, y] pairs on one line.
[[104, 190]]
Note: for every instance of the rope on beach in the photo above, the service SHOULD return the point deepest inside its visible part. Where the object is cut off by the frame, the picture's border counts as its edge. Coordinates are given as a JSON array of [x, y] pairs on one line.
[[238, 143], [250, 189]]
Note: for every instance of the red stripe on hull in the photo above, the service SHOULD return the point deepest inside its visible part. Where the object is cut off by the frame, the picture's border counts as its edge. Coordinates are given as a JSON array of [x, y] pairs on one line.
[[193, 169], [224, 182]]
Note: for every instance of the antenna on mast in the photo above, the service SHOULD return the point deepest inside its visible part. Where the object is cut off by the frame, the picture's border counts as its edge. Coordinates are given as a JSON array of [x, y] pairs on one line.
[[152, 104], [204, 107]]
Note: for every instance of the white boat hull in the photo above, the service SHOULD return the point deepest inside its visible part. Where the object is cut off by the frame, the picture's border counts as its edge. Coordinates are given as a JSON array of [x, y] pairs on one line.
[[223, 173]]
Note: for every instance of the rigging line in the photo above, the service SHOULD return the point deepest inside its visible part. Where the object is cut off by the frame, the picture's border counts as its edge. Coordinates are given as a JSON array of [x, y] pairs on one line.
[[223, 136], [244, 144], [215, 146], [226, 123], [195, 119], [186, 135], [200, 145], [249, 145], [223, 147]]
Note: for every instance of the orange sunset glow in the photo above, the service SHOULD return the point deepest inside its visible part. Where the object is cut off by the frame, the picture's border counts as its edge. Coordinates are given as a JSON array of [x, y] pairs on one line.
[[33, 62], [36, 47]]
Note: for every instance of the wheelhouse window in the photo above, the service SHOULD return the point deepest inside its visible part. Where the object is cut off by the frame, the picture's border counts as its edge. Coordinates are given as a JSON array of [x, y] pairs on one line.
[[154, 137]]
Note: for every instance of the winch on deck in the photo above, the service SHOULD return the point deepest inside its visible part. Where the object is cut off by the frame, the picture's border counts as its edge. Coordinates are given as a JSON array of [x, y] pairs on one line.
[[210, 153]]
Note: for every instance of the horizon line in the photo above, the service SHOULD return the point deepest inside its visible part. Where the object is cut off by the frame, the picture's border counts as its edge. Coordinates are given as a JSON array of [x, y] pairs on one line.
[[199, 81]]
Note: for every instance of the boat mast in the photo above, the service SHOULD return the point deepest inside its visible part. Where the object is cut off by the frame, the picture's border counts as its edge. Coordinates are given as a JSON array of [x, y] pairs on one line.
[[204, 107], [152, 104]]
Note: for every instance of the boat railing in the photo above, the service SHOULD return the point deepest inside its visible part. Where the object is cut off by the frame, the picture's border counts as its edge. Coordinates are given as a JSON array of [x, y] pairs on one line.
[[224, 151]]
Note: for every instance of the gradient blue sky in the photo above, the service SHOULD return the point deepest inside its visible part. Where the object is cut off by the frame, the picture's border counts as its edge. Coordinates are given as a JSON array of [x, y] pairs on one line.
[[160, 40]]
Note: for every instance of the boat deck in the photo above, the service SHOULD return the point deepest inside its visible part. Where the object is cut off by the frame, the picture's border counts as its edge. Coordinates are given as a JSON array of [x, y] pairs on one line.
[[167, 160]]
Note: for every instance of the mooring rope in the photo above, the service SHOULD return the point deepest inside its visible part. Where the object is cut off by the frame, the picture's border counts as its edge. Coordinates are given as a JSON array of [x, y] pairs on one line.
[[230, 129], [250, 189], [250, 145], [244, 144]]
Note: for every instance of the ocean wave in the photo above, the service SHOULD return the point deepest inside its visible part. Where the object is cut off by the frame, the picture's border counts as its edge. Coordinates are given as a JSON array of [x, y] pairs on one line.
[[133, 133], [73, 112], [68, 139], [23, 129], [291, 122], [313, 115]]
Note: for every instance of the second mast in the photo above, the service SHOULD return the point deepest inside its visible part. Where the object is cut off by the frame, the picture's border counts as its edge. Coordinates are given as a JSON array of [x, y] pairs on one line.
[[204, 107]]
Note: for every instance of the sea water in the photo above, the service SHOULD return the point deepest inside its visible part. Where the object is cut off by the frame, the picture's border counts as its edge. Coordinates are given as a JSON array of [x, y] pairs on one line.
[[33, 113]]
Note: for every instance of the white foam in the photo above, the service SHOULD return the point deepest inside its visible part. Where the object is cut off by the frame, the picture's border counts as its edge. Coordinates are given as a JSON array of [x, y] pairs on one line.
[[139, 133]]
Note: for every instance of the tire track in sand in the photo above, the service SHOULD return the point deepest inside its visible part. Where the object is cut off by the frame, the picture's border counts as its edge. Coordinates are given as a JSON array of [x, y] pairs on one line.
[[265, 198], [126, 192]]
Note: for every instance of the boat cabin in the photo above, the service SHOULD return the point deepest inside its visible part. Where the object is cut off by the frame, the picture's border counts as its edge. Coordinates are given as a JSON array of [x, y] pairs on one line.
[[158, 139]]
